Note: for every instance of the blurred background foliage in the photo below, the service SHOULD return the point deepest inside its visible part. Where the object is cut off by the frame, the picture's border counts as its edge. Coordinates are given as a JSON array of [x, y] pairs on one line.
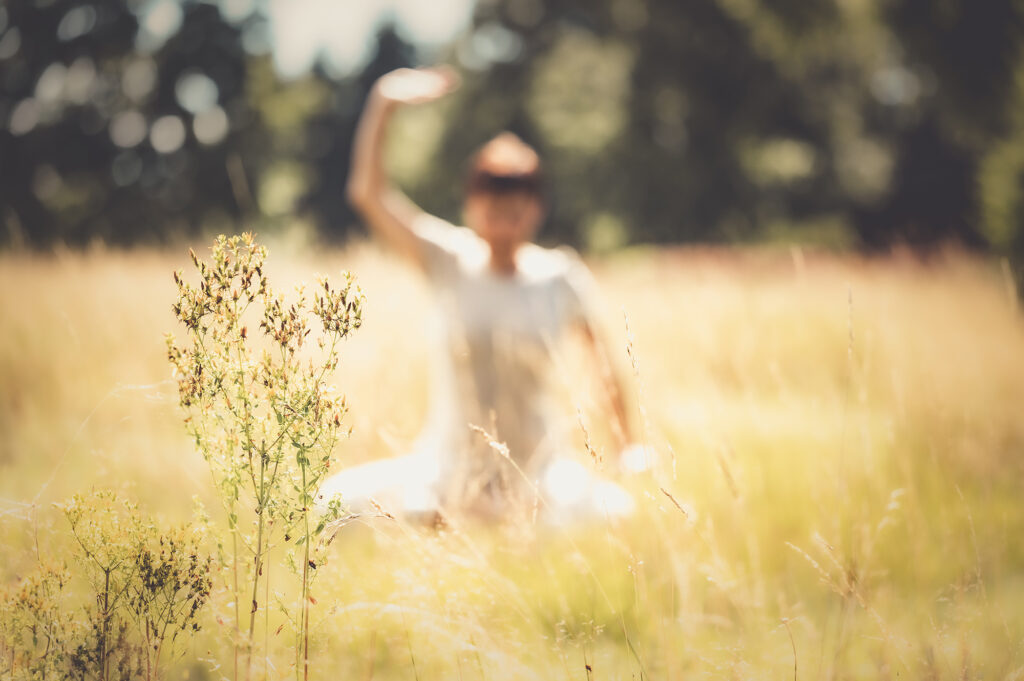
[[846, 123]]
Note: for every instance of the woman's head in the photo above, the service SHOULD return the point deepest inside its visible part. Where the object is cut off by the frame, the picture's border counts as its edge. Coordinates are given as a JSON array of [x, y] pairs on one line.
[[503, 192]]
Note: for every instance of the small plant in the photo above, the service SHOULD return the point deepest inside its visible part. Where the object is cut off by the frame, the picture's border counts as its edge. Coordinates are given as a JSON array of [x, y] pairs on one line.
[[149, 586], [172, 582], [142, 587], [108, 531], [260, 410], [34, 628]]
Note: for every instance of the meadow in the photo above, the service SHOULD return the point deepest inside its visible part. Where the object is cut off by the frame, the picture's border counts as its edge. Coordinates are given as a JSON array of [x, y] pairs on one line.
[[837, 493]]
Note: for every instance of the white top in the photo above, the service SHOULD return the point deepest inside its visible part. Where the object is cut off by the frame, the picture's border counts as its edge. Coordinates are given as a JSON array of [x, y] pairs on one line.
[[498, 337]]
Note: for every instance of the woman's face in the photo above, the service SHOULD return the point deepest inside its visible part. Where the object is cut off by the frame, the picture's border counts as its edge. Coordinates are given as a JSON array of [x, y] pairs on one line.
[[504, 220]]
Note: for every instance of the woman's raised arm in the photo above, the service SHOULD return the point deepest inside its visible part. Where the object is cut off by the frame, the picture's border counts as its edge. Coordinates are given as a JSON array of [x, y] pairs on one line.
[[387, 210]]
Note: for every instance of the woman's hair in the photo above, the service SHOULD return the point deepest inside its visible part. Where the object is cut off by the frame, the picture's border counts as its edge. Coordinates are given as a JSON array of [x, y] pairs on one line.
[[505, 165]]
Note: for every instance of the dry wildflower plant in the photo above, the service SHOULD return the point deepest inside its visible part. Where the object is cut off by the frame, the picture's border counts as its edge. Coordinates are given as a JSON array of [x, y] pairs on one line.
[[34, 629], [264, 417], [155, 580], [143, 587]]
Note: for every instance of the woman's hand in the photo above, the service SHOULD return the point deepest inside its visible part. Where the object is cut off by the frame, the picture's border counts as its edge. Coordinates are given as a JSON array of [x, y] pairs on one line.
[[417, 86], [636, 458]]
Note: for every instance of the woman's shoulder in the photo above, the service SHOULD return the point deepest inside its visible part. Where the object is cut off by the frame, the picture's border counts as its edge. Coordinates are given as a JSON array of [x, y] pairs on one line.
[[562, 273], [445, 235], [446, 248]]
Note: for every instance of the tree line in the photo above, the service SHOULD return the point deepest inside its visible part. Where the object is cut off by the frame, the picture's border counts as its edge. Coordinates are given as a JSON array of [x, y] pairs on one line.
[[862, 123]]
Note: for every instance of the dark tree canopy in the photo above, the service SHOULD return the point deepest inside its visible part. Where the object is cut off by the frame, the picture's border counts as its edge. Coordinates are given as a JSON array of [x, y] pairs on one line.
[[861, 123]]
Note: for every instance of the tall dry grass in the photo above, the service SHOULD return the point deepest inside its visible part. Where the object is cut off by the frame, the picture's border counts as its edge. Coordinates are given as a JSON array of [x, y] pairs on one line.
[[837, 494]]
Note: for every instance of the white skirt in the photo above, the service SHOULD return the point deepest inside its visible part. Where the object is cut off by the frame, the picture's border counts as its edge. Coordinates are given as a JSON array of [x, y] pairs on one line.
[[409, 486]]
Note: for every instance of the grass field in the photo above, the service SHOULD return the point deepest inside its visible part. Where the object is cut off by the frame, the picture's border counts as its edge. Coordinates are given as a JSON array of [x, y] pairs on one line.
[[838, 492]]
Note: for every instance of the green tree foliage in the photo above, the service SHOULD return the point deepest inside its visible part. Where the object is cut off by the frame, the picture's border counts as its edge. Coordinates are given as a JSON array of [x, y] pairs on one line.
[[671, 121], [105, 136], [664, 121], [975, 118], [861, 121]]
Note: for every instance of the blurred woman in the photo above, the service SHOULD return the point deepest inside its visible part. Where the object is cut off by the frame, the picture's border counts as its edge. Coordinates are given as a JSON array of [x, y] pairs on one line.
[[490, 442]]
